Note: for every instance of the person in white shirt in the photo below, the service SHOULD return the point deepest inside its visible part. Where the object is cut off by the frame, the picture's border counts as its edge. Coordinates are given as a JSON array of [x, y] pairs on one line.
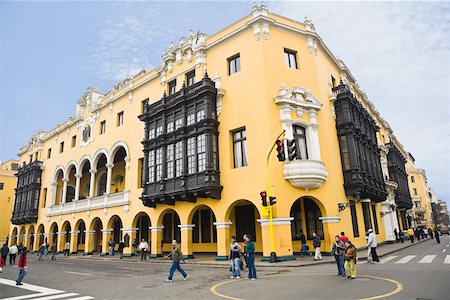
[[67, 248], [143, 246], [13, 250], [372, 245]]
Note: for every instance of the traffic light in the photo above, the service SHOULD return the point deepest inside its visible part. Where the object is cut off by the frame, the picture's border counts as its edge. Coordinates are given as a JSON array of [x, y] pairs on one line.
[[263, 198], [292, 149], [273, 200], [280, 150]]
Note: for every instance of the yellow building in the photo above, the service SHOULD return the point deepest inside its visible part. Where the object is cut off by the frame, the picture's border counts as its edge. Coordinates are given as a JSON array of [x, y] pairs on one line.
[[222, 100], [7, 185]]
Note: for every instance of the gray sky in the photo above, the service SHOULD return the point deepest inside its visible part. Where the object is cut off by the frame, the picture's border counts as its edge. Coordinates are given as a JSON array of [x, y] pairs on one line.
[[50, 52]]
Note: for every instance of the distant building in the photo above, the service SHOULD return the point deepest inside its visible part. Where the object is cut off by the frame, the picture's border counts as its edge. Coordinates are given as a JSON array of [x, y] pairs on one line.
[[7, 185]]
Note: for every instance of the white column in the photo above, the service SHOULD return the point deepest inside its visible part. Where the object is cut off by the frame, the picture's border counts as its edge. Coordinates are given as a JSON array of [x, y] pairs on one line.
[[314, 137], [108, 178], [65, 180], [54, 188], [77, 187], [92, 182]]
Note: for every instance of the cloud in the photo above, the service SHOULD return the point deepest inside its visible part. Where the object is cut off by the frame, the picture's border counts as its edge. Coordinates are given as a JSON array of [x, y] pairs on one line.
[[399, 53]]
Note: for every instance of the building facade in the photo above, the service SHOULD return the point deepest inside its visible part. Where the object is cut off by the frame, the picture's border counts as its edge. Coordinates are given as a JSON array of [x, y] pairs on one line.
[[7, 186], [179, 152]]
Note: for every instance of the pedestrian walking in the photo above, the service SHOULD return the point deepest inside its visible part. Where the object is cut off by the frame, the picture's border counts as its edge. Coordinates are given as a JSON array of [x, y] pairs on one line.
[[4, 252], [41, 252], [350, 260], [417, 234], [111, 245], [22, 266], [316, 243], [53, 250], [45, 248], [235, 259], [372, 245], [176, 256], [120, 249], [143, 246], [396, 234], [411, 234], [13, 250], [250, 253], [338, 251], [343, 237], [302, 239], [135, 245], [401, 236], [436, 235], [67, 248]]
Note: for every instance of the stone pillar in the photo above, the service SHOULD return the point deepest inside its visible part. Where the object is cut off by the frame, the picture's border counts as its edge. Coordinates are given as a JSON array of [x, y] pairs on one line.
[[106, 234], [223, 239], [282, 238], [89, 246], [36, 243], [129, 251], [64, 194], [155, 248], [61, 241], [74, 242], [108, 178], [186, 240], [265, 235], [77, 187], [92, 182]]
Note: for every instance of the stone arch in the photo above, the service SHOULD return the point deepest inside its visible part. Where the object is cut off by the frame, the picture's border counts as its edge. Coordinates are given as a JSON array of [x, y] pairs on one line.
[[71, 164], [53, 238], [40, 232], [80, 226], [14, 234], [30, 234], [115, 224], [58, 169], [243, 215], [142, 222], [118, 158], [116, 147], [83, 160], [170, 220], [98, 155], [66, 228], [97, 226], [84, 167], [58, 185], [22, 233], [204, 233]]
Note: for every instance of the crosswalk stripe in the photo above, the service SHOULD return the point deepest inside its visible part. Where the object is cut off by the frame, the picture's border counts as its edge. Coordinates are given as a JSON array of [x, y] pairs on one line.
[[447, 259], [56, 296], [82, 298], [405, 259], [427, 259], [386, 259]]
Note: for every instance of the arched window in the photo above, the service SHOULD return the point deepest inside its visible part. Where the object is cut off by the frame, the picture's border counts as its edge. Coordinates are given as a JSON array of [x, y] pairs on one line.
[[300, 139], [102, 185], [313, 223]]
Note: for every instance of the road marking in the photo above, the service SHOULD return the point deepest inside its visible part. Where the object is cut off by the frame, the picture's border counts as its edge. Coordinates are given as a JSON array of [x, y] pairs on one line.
[[444, 250], [448, 245], [41, 291], [56, 296], [405, 259], [78, 273], [82, 298], [127, 268], [447, 259], [389, 258], [427, 259]]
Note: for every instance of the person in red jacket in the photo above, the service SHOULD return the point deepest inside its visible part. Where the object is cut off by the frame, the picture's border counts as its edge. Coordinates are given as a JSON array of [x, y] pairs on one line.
[[2, 263], [22, 266]]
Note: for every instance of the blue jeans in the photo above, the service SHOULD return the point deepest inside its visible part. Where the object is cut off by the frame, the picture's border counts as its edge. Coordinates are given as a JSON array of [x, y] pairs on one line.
[[235, 267], [22, 273], [340, 264], [303, 250], [176, 266], [251, 266]]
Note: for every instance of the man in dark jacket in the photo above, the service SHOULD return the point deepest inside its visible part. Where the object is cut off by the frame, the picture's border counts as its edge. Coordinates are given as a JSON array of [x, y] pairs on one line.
[[121, 246], [436, 234], [4, 252], [302, 239], [176, 256], [316, 243], [338, 251]]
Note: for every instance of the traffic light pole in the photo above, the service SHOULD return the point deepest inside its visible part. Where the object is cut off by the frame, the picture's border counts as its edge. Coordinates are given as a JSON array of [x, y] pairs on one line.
[[273, 255]]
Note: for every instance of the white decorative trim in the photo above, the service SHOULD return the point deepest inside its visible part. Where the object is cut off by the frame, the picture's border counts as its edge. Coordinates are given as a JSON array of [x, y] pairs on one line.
[[221, 225], [365, 200], [275, 221], [48, 234], [89, 231], [330, 219], [106, 231], [129, 230], [186, 227], [37, 235], [61, 233], [73, 233], [156, 228]]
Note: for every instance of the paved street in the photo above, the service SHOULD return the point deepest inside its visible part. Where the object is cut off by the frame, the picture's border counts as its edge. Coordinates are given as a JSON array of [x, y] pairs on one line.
[[418, 272]]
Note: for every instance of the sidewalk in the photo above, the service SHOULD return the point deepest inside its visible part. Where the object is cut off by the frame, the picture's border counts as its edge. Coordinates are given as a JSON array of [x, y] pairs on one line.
[[209, 259]]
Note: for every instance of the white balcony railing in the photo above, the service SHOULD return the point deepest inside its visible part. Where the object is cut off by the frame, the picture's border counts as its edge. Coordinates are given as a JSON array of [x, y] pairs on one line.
[[305, 174], [99, 202]]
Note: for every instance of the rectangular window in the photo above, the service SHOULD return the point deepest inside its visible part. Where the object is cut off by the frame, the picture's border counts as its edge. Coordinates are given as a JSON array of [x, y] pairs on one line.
[[200, 115], [190, 78], [290, 58], [170, 126], [201, 152], [170, 160], [191, 155], [333, 81], [151, 166], [375, 218], [178, 159], [2, 185], [14, 167], [44, 198], [345, 154], [205, 219], [190, 119], [178, 123], [74, 141], [61, 147], [49, 153], [366, 215], [143, 103], [151, 133], [159, 130], [240, 148], [415, 191], [140, 173], [158, 163], [234, 64], [354, 219], [300, 139], [120, 118], [172, 86], [103, 127]]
